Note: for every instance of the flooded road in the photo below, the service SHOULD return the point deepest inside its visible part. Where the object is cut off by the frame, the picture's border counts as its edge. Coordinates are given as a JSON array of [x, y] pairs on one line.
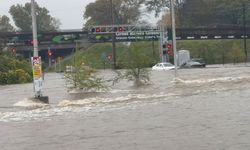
[[204, 109]]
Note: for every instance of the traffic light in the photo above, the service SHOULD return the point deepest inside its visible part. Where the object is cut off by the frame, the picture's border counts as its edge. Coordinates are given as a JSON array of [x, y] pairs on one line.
[[49, 53], [120, 29], [13, 50], [29, 42], [32, 42], [169, 52], [169, 46], [164, 46], [96, 29], [169, 49]]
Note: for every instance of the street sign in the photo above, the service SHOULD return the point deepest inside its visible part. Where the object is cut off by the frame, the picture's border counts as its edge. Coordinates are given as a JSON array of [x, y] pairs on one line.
[[37, 75]]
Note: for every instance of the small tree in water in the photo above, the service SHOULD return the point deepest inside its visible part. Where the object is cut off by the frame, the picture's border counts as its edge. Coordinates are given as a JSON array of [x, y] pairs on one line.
[[83, 77], [135, 61]]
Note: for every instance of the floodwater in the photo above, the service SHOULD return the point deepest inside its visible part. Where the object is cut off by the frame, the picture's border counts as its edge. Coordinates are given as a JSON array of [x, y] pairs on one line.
[[205, 109]]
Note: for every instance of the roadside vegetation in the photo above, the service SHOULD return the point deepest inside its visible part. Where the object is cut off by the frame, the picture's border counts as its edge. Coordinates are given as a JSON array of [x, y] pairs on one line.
[[81, 76], [14, 70], [216, 51], [134, 61], [137, 56], [213, 51]]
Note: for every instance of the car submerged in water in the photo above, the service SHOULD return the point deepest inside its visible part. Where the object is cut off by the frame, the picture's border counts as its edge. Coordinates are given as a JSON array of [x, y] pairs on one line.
[[163, 66], [194, 63]]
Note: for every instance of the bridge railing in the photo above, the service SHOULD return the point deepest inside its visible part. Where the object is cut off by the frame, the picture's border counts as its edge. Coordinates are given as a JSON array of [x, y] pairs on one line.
[[102, 29], [19, 38]]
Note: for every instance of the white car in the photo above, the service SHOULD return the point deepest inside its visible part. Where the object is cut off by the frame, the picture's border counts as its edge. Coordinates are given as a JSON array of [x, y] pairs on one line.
[[163, 66]]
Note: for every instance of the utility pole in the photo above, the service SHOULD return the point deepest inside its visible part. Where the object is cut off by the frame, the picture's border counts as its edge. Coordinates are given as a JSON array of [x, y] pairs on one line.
[[113, 35], [36, 61], [174, 36], [34, 29], [244, 29]]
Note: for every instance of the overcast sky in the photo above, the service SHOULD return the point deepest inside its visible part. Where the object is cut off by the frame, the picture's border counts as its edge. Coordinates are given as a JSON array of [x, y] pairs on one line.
[[69, 12]]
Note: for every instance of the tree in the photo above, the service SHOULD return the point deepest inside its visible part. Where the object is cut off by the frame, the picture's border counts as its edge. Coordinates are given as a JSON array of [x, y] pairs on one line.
[[124, 12], [230, 12], [157, 6], [83, 77], [5, 25], [136, 61], [193, 13], [191, 8], [23, 20]]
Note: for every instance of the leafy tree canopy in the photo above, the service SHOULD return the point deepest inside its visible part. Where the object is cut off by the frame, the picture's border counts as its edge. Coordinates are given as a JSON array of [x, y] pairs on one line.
[[213, 13], [199, 13], [5, 25], [124, 12], [23, 20]]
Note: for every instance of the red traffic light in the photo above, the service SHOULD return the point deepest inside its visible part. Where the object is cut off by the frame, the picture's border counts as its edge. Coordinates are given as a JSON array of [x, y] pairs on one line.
[[97, 29], [169, 52], [13, 50], [49, 53], [110, 57], [169, 46], [120, 29]]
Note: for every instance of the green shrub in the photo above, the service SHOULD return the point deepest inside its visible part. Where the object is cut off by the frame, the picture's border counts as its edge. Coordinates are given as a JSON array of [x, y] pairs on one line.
[[13, 70]]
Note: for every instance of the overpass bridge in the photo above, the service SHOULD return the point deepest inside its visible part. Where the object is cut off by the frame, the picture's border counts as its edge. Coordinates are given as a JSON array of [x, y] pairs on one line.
[[122, 31], [63, 42]]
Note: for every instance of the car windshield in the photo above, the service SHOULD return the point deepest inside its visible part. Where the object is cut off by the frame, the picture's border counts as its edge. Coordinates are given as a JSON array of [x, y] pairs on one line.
[[193, 63], [167, 64], [200, 60]]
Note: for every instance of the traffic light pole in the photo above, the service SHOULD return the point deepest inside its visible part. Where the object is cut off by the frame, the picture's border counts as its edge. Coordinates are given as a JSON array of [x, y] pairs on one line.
[[244, 27], [174, 36], [161, 42], [113, 36]]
